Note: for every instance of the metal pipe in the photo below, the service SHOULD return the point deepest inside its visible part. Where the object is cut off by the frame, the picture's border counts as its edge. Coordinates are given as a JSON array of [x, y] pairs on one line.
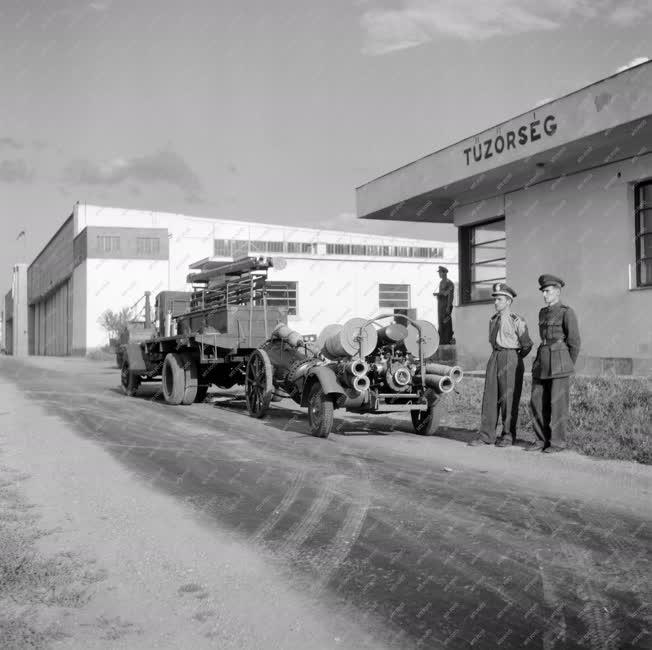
[[357, 368], [441, 383], [361, 384], [454, 372]]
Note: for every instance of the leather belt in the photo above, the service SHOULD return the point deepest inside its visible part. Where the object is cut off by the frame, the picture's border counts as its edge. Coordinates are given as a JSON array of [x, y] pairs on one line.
[[552, 342], [497, 348]]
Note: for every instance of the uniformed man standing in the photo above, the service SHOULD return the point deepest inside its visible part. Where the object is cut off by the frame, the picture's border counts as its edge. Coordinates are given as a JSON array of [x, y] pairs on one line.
[[552, 368], [511, 343], [445, 297]]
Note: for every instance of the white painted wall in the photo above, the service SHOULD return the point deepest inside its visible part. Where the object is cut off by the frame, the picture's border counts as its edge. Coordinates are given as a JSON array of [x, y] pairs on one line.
[[331, 288], [582, 229], [114, 284], [19, 294]]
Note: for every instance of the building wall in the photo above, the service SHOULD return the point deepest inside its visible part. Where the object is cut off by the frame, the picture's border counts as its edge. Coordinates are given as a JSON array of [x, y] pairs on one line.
[[114, 284], [334, 290], [78, 309], [331, 288], [581, 228], [19, 346], [7, 322], [54, 263]]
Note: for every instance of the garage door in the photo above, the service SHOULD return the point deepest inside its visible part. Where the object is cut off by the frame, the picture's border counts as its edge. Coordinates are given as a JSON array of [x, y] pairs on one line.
[[52, 326]]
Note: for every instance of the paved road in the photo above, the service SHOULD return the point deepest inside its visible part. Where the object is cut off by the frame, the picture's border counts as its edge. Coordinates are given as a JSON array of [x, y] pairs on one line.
[[486, 555]]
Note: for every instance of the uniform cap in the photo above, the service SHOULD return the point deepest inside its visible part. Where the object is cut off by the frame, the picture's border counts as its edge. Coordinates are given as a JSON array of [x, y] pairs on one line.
[[548, 280], [502, 289], [443, 268]]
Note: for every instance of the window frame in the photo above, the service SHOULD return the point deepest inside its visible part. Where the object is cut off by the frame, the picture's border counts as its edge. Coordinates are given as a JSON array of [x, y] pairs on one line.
[[269, 285], [394, 284], [466, 246], [148, 246], [113, 242], [640, 232]]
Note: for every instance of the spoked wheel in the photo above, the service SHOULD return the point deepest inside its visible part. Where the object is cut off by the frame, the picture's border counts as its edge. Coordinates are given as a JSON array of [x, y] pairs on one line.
[[129, 381], [320, 411], [259, 388], [427, 422]]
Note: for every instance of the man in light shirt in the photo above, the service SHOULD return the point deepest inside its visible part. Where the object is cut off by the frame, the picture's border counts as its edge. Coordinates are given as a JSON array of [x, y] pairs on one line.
[[510, 343]]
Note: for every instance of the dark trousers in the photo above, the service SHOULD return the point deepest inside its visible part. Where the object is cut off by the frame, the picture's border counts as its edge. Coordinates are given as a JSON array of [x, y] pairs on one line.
[[502, 394], [549, 404], [445, 324]]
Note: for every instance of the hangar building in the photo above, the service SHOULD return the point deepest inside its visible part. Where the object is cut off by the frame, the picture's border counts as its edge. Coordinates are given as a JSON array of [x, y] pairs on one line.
[[565, 189], [106, 258]]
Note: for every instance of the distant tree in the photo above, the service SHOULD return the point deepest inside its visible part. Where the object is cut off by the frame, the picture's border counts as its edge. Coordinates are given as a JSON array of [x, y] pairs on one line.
[[115, 322]]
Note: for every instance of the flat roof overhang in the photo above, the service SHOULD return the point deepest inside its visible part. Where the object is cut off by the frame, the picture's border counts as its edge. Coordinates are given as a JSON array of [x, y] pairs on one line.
[[608, 121]]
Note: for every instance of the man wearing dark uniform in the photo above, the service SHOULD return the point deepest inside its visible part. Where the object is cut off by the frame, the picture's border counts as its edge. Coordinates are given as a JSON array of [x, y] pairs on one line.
[[552, 368], [445, 297], [510, 343]]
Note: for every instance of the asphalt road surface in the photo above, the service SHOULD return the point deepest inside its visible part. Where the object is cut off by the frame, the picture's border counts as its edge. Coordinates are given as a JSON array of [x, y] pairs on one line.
[[449, 546]]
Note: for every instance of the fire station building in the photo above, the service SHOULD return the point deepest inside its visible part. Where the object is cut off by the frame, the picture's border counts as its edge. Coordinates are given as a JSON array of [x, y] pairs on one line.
[[564, 189], [107, 258]]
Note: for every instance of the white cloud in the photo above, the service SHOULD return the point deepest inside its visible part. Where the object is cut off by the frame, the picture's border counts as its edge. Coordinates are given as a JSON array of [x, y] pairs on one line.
[[161, 167], [100, 5], [409, 23], [15, 171], [626, 15], [634, 62]]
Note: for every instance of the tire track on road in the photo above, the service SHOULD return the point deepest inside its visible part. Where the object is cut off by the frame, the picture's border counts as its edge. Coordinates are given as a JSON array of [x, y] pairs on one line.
[[309, 523], [346, 537], [289, 498], [594, 613]]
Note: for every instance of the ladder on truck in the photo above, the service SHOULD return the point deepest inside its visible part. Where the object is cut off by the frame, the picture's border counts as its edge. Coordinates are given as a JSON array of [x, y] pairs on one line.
[[218, 284]]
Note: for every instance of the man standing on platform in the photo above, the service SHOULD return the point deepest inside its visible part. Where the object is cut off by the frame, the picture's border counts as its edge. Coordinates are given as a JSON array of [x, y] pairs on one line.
[[445, 297], [551, 370], [510, 343]]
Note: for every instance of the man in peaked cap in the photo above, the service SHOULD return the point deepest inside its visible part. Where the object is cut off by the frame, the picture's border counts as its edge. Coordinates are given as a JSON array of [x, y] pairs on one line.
[[510, 343], [552, 368], [445, 297]]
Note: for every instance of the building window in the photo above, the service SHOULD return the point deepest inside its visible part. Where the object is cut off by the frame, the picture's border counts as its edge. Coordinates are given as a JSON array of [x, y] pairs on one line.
[[482, 259], [239, 248], [222, 248], [148, 246], [644, 234], [300, 247], [282, 294], [338, 249], [393, 295], [108, 244]]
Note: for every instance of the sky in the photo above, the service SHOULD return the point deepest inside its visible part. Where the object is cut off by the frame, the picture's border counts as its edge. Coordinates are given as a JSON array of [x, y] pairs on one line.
[[270, 111]]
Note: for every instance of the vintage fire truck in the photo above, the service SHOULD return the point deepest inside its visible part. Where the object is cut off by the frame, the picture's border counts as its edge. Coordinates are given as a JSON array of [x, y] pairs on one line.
[[224, 333]]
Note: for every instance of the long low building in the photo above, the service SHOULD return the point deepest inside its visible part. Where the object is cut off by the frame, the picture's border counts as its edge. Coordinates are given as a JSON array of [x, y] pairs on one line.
[[107, 258], [565, 189]]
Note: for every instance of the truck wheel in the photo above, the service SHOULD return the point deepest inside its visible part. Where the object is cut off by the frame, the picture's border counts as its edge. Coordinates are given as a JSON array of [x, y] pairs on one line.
[[426, 423], [191, 382], [320, 411], [129, 381], [259, 386], [202, 391], [173, 378]]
